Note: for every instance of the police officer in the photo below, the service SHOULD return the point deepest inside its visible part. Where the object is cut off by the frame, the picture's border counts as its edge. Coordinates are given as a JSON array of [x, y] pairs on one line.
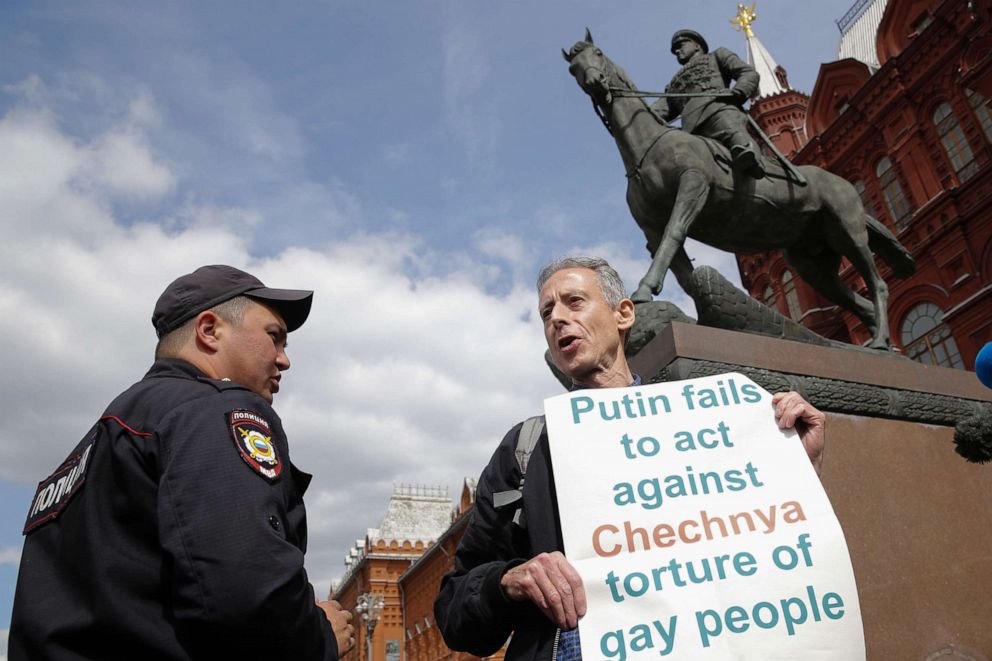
[[175, 529], [717, 117]]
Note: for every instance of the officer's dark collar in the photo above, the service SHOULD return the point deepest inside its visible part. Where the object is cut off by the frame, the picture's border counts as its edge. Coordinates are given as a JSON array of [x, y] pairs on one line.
[[635, 382], [175, 367]]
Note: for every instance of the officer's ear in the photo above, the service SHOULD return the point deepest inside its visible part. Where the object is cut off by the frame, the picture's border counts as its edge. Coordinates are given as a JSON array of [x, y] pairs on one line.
[[207, 327]]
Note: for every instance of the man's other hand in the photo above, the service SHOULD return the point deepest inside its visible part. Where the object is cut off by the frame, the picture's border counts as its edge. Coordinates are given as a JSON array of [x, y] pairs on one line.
[[550, 581], [341, 624], [791, 410]]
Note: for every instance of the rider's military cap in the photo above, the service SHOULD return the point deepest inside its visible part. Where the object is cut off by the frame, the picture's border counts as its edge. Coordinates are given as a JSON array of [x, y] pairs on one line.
[[690, 34]]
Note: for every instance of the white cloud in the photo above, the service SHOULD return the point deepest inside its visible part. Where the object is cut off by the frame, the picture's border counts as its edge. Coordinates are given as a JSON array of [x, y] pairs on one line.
[[408, 370], [122, 162], [469, 104], [10, 555], [242, 106], [515, 250]]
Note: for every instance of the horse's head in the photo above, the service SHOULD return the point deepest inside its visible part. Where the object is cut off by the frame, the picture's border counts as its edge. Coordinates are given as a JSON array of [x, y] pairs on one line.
[[592, 70]]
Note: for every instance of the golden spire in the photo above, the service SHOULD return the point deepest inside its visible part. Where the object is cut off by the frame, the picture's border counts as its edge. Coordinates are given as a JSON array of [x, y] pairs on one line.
[[745, 16]]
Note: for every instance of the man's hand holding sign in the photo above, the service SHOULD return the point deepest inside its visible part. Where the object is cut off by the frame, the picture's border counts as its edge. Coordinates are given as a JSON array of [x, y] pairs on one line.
[[552, 583], [792, 411]]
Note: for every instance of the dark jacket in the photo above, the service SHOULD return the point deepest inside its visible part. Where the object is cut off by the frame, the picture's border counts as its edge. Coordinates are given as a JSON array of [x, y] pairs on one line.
[[159, 538], [708, 72], [471, 610]]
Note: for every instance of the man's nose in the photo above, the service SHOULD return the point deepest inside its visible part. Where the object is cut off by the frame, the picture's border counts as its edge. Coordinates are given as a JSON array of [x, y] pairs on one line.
[[558, 314], [282, 360]]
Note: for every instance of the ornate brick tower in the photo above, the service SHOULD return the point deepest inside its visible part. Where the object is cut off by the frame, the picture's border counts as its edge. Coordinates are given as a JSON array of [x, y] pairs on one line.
[[778, 109], [415, 518], [419, 587]]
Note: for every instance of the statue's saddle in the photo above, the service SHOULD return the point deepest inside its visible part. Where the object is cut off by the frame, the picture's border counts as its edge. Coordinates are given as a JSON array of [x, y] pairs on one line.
[[723, 160]]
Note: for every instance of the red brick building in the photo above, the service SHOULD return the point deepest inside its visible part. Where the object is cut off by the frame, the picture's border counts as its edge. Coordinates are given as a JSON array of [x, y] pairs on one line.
[[419, 586], [415, 517], [904, 115]]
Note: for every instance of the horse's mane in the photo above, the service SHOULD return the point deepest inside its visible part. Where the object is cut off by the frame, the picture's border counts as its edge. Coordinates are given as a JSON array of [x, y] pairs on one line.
[[624, 78]]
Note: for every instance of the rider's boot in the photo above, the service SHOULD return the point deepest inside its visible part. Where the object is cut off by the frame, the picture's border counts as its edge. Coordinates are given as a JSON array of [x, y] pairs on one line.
[[746, 161]]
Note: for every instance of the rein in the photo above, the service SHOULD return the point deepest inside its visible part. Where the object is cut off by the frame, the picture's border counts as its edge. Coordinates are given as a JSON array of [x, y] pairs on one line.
[[602, 116], [635, 172]]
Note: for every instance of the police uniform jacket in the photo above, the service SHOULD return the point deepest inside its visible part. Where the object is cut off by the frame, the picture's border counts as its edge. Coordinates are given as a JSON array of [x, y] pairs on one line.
[[707, 72], [174, 530], [471, 610]]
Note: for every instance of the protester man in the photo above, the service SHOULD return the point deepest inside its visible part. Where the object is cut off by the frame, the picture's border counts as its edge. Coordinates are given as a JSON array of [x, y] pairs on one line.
[[510, 575], [176, 529], [717, 113]]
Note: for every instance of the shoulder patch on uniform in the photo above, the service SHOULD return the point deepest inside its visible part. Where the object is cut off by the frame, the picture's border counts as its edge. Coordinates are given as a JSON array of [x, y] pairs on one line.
[[253, 437], [56, 490]]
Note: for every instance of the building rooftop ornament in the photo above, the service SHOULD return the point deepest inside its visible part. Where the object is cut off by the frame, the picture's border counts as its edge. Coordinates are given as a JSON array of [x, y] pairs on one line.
[[859, 30], [416, 513], [745, 16], [773, 77]]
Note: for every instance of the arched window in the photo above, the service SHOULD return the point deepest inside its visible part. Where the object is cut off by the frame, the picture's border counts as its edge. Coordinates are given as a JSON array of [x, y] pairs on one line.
[[782, 77], [981, 107], [863, 194], [927, 339], [955, 144], [894, 197], [769, 296], [791, 296]]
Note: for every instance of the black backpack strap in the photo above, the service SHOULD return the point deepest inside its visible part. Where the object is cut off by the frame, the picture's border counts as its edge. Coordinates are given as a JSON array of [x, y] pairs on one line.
[[530, 432]]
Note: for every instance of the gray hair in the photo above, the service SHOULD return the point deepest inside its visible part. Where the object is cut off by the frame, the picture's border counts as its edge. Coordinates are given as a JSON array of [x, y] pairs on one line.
[[231, 311], [609, 280]]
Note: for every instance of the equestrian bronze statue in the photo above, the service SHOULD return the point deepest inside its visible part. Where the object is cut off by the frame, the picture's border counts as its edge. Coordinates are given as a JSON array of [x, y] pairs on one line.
[[680, 185]]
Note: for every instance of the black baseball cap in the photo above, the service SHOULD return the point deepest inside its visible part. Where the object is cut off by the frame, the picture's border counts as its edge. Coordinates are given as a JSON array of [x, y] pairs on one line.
[[207, 286]]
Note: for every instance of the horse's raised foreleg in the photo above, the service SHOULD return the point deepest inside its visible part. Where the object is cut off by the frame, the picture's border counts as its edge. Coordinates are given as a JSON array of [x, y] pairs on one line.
[[693, 190]]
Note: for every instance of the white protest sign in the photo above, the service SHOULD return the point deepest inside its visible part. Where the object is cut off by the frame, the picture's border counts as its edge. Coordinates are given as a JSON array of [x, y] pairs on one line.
[[700, 529]]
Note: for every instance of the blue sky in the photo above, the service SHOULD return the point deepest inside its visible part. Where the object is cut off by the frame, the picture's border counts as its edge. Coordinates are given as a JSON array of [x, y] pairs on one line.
[[414, 162]]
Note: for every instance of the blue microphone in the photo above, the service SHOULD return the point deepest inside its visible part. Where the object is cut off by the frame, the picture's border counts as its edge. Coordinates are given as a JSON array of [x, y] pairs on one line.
[[983, 365]]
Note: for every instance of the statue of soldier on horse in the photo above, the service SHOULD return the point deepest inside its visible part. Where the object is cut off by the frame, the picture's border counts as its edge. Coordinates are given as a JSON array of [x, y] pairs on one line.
[[681, 185]]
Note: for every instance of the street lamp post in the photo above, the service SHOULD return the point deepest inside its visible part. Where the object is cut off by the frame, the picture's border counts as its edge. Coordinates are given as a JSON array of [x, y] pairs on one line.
[[369, 609]]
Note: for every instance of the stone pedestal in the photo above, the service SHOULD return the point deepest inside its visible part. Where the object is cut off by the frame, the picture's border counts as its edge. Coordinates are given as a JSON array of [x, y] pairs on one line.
[[917, 517]]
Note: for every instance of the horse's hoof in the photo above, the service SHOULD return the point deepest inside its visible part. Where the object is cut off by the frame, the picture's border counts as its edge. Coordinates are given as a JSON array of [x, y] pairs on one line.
[[642, 295]]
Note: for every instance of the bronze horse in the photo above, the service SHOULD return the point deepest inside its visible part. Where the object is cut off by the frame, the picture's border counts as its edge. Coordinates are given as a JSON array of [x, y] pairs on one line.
[[680, 185]]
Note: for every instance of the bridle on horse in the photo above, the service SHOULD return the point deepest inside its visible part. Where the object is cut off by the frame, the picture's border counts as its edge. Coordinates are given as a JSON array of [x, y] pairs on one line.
[[635, 172], [595, 105]]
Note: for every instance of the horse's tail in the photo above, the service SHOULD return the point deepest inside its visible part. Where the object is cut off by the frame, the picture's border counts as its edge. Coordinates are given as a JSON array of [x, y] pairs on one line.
[[884, 244]]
